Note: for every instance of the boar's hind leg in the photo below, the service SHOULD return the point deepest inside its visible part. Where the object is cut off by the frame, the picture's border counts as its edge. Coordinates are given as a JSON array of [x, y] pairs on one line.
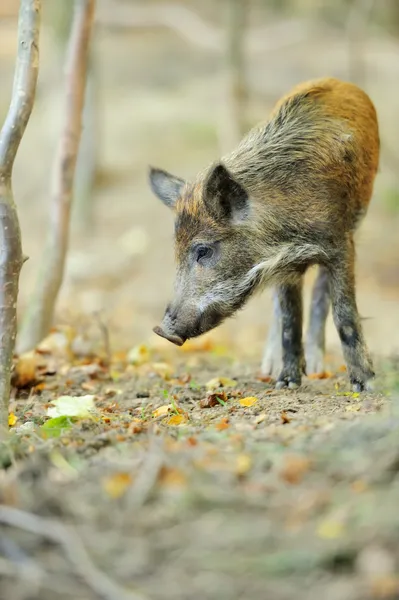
[[290, 296], [273, 353], [315, 337], [347, 321]]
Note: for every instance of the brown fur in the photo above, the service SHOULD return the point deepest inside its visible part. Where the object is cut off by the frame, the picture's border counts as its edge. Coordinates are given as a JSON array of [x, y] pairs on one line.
[[291, 195]]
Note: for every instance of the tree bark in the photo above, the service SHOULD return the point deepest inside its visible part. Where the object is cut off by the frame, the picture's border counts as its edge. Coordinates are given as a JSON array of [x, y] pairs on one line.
[[11, 258], [87, 161], [236, 86], [40, 311]]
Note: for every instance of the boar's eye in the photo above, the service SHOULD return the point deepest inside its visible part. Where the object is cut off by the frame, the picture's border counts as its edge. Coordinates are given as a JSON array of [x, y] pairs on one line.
[[203, 252]]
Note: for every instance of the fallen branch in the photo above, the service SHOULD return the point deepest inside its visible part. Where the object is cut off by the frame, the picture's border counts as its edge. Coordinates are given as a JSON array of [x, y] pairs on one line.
[[11, 258], [39, 316], [76, 553]]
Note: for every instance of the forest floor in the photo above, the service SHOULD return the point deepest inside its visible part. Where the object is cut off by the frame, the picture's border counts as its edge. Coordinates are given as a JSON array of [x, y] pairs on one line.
[[165, 476], [181, 474]]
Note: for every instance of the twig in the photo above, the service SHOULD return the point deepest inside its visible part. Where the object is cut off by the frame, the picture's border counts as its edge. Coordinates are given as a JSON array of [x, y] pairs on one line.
[[147, 475], [106, 339], [76, 553]]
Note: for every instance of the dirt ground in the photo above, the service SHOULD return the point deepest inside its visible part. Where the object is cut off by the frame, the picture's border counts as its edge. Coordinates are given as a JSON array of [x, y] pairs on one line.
[[170, 489]]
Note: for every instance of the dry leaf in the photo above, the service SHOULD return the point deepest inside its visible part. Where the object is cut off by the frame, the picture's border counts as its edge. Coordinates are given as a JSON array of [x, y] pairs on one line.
[[40, 387], [249, 401], [162, 410], [285, 418], [25, 370], [58, 342], [359, 486], [223, 424], [12, 419], [89, 386], [260, 418], [330, 529], [176, 420], [243, 464], [171, 476], [265, 378], [163, 370], [138, 355], [294, 468], [217, 382], [353, 407], [117, 484], [323, 375], [198, 345], [385, 587], [214, 400]]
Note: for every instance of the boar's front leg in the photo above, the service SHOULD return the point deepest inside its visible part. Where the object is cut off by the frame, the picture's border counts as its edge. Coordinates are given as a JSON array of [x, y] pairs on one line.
[[347, 320], [290, 297]]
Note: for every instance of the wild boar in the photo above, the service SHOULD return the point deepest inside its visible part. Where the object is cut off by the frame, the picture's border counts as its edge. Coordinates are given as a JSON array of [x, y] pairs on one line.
[[290, 196]]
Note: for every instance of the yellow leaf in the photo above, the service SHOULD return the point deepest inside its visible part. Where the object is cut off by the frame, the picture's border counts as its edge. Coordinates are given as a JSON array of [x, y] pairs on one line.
[[250, 401], [162, 410], [138, 355], [163, 370], [330, 530], [117, 484], [176, 420], [217, 382], [243, 464], [353, 407], [12, 419]]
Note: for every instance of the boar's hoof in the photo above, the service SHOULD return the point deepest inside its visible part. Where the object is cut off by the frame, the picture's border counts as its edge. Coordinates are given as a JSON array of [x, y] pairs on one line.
[[291, 385], [175, 339], [367, 386]]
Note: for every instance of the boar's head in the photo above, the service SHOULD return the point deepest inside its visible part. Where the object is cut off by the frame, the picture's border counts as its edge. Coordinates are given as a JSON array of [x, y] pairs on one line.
[[216, 250]]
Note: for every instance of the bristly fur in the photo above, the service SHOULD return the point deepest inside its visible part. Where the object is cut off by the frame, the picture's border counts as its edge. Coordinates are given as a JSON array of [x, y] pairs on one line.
[[289, 196]]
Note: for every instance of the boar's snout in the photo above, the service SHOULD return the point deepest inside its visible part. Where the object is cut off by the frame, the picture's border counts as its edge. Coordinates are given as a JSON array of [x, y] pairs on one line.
[[173, 326], [171, 337]]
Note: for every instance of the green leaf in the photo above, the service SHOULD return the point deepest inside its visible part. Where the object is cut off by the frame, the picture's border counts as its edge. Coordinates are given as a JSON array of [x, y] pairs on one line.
[[72, 406], [56, 426]]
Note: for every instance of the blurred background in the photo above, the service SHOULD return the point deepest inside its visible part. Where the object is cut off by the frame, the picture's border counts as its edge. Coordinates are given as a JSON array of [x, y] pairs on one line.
[[175, 84]]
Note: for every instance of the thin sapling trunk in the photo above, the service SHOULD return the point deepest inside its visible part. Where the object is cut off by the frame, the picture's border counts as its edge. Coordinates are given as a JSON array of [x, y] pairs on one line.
[[11, 258]]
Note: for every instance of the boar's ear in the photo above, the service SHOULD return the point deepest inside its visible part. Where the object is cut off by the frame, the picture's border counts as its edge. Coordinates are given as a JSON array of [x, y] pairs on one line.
[[166, 186], [224, 197]]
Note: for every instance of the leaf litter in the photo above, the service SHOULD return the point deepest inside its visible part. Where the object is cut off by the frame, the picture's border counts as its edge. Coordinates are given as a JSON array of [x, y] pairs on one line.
[[174, 439]]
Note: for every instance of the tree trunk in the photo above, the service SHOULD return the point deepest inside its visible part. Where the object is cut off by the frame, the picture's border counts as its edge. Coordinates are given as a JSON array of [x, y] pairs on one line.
[[40, 312], [87, 161], [236, 88], [11, 259]]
